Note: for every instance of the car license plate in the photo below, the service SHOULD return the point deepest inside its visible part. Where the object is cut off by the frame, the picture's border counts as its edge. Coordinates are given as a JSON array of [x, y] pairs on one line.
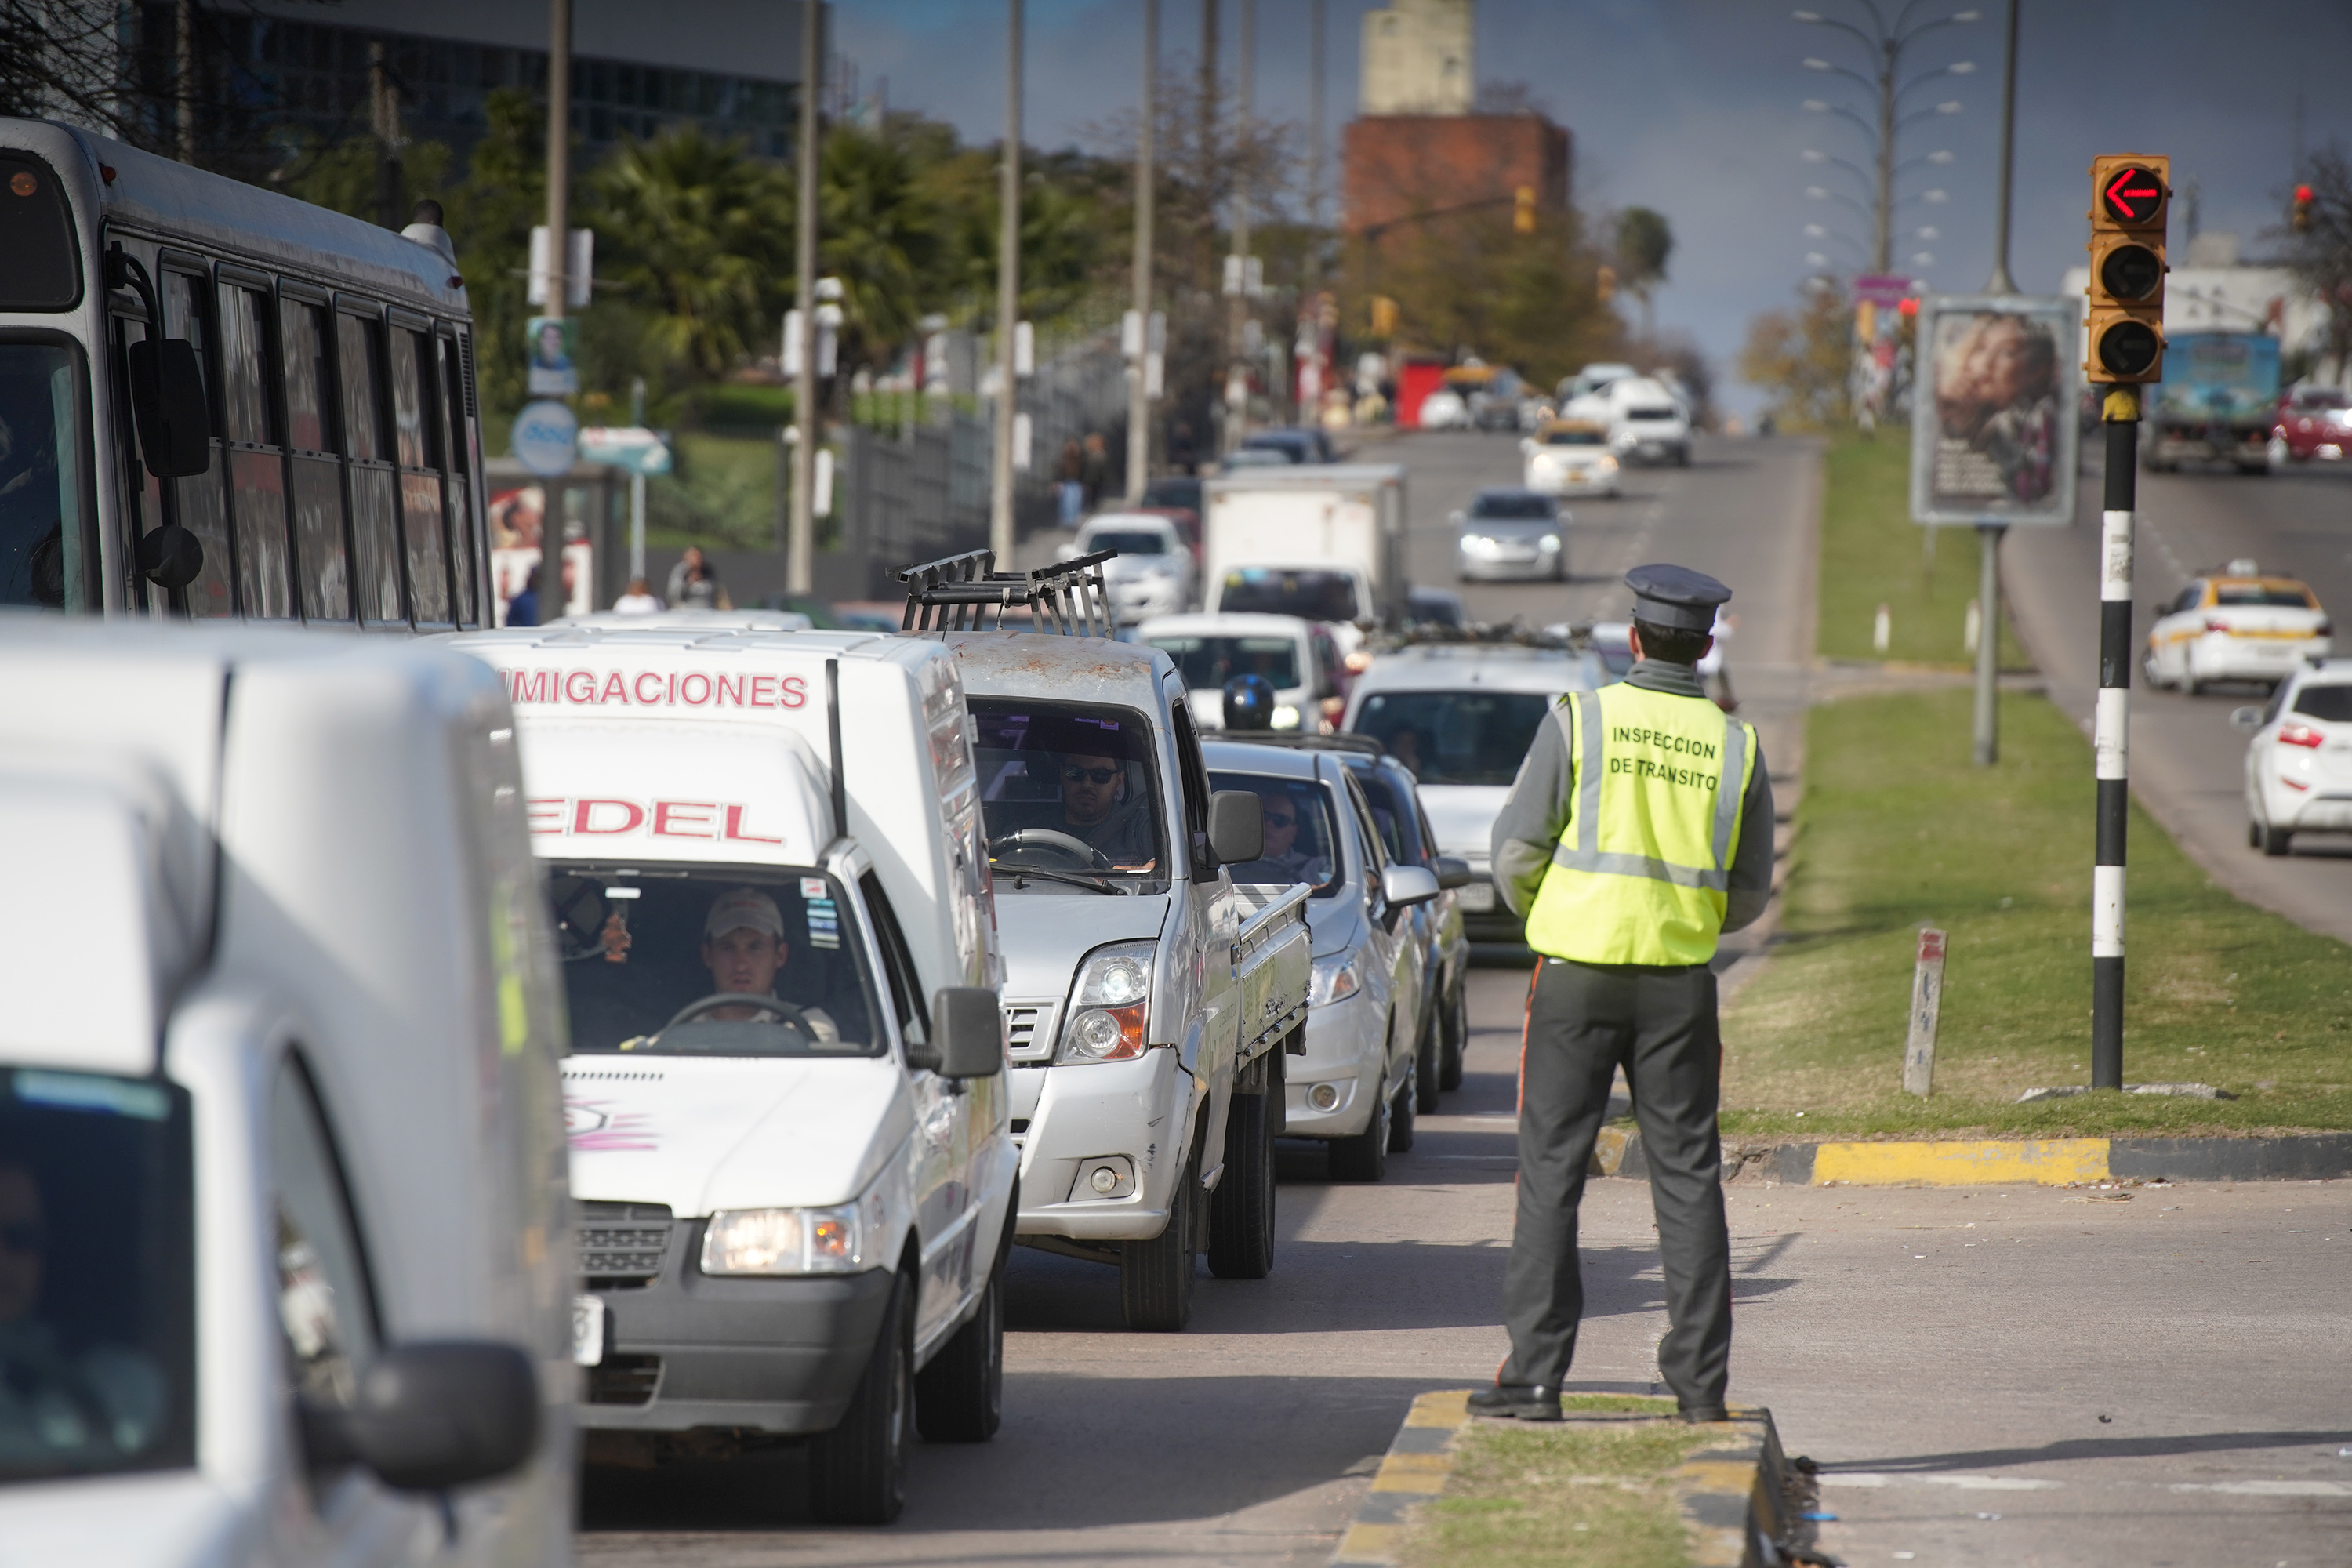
[[588, 1329], [1477, 898]]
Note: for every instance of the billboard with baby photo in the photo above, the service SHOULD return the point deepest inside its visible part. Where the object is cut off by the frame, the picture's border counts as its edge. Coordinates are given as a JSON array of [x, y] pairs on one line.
[[1993, 435]]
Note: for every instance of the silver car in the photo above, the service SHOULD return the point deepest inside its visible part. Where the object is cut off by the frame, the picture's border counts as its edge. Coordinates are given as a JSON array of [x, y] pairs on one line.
[[1512, 535], [1355, 1085]]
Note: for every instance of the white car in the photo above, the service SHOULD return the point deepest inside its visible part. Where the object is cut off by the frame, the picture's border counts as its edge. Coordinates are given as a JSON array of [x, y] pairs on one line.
[[2299, 762], [1569, 457], [1444, 410], [1297, 657], [1153, 575], [1651, 424], [2236, 624], [1461, 716], [1511, 536]]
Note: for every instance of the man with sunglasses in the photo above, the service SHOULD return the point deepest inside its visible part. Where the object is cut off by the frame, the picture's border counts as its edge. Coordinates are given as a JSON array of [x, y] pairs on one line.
[[1281, 861], [1095, 812]]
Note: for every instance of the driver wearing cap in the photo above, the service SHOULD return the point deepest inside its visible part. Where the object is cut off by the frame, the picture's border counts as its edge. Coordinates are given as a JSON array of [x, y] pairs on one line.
[[743, 947]]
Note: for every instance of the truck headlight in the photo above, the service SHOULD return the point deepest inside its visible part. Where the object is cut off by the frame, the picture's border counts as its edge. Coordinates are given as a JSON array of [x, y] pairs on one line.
[[784, 1241], [1108, 1004], [1335, 977]]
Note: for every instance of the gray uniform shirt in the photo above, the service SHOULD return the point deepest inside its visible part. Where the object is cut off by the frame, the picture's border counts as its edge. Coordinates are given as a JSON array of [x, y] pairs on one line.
[[1543, 797]]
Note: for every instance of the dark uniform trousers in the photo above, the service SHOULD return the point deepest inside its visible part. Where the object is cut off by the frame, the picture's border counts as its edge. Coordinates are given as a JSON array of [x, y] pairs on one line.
[[1659, 1023]]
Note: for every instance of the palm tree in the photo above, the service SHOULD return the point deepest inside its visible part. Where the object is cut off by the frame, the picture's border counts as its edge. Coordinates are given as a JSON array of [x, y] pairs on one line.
[[880, 233], [1644, 240]]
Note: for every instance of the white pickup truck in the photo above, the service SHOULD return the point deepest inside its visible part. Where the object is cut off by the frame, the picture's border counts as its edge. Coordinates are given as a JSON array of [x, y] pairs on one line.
[[284, 1249], [787, 1105], [1150, 1003]]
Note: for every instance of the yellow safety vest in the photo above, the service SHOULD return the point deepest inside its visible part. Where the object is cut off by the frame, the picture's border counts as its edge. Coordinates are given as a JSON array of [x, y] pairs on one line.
[[1641, 874]]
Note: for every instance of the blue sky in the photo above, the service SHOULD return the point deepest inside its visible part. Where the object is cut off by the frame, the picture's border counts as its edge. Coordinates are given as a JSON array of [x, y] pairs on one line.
[[1692, 107]]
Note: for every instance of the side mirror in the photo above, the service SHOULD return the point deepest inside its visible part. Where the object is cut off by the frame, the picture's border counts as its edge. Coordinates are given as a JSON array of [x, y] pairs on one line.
[[2248, 719], [1403, 885], [167, 404], [1453, 871], [1236, 826], [434, 1414], [967, 1034]]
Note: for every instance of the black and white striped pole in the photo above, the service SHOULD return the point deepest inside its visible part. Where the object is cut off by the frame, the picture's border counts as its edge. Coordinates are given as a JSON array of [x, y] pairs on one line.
[[2111, 735], [2124, 336]]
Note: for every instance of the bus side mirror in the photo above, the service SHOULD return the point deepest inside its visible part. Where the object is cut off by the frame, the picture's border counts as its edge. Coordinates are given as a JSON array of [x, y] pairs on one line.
[[967, 1034], [167, 403], [1236, 826], [171, 556]]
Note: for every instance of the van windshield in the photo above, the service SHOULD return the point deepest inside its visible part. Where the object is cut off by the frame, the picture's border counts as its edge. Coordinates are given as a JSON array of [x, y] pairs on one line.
[[1455, 737], [97, 1277], [1313, 595], [1206, 663], [1070, 794], [726, 962]]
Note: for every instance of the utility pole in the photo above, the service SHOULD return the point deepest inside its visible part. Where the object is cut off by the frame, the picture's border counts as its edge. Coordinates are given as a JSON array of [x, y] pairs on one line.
[[1237, 310], [636, 485], [1138, 391], [2001, 282], [1314, 140], [385, 116], [1008, 299], [800, 570], [559, 153], [1207, 146], [184, 84]]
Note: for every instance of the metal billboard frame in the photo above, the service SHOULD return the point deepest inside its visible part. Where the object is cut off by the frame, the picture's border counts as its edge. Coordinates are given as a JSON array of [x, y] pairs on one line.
[[2063, 316]]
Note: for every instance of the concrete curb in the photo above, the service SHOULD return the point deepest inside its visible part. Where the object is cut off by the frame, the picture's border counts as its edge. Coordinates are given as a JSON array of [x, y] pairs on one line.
[[1731, 1494], [2049, 1162]]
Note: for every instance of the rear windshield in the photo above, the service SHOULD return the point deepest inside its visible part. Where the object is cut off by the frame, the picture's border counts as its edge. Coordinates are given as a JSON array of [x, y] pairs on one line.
[[1274, 591], [1301, 833], [1392, 814], [1523, 508], [1206, 663], [2272, 595], [1069, 794], [98, 1306], [728, 961], [1455, 737], [1650, 412], [1177, 489], [1575, 439], [2328, 704], [1126, 542]]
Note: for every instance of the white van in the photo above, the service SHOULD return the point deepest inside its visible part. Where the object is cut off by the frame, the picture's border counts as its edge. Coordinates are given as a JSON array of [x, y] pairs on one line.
[[790, 1140], [284, 1251]]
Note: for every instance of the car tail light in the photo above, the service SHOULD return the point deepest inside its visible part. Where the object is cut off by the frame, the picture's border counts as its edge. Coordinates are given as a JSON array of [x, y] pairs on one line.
[[2215, 623], [2324, 629], [2300, 735]]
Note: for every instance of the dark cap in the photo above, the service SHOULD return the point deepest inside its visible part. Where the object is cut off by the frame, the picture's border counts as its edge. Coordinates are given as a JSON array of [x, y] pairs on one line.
[[1675, 598]]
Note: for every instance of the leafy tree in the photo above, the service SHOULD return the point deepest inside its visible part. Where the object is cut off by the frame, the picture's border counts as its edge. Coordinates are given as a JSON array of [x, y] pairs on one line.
[[1644, 240], [1803, 360], [490, 215], [880, 231]]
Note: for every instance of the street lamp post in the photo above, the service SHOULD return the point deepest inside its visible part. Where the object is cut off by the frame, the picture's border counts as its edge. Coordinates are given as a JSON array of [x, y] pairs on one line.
[[1887, 46]]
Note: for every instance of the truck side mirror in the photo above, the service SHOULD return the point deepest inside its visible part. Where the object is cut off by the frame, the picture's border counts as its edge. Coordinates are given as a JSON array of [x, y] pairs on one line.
[[1403, 886], [1236, 826], [1453, 871], [434, 1414], [967, 1032], [167, 404]]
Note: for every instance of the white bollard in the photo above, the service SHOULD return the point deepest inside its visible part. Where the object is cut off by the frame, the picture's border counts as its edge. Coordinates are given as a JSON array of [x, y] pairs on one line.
[[1973, 627], [1882, 629], [1927, 1007]]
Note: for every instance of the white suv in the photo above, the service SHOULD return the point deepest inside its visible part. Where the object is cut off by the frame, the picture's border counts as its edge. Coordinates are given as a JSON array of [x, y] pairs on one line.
[[2299, 762]]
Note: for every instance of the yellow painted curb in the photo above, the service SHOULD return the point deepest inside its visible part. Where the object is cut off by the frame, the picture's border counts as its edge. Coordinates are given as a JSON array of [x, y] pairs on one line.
[[2049, 1162]]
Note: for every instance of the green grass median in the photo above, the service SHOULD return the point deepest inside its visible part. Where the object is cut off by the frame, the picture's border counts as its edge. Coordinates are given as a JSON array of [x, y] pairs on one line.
[[1873, 555], [1595, 1493], [1897, 829]]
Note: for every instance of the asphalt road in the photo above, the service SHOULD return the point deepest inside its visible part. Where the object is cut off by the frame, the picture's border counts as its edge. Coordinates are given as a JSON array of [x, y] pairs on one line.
[[2188, 764], [1946, 1354]]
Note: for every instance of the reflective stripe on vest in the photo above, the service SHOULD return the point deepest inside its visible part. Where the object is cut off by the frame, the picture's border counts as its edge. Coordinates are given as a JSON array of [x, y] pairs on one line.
[[1639, 876]]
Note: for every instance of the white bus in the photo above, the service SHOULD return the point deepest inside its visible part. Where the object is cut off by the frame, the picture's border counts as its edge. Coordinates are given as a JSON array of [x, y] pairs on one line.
[[299, 443]]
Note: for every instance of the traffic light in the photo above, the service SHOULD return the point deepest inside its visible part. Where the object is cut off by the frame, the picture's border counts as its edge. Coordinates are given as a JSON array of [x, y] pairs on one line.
[[2123, 328], [1384, 316], [1523, 209], [1604, 284], [2299, 218]]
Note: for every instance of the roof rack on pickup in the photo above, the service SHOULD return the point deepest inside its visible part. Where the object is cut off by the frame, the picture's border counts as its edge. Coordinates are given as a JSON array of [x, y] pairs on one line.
[[953, 594], [1510, 634]]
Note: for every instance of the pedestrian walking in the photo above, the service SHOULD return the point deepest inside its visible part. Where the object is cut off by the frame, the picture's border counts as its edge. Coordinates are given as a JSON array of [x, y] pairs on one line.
[[1094, 469], [694, 584], [1639, 829], [1070, 483]]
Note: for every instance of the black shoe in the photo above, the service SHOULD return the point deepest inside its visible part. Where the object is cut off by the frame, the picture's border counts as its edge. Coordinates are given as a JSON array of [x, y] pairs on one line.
[[1517, 1402], [1702, 1415]]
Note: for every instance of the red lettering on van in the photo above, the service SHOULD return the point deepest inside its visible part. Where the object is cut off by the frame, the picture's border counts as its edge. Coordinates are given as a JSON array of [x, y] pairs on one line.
[[761, 694], [681, 818], [792, 693], [544, 814], [730, 690], [615, 689], [637, 687], [572, 690], [531, 685], [735, 828], [685, 688], [583, 813]]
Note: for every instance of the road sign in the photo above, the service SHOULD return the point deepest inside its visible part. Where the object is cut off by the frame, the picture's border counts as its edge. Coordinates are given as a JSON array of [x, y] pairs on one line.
[[546, 438], [1884, 289], [1992, 425], [632, 447], [552, 344]]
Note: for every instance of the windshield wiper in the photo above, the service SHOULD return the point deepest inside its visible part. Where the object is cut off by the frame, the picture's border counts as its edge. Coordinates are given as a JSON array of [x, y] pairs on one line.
[[1075, 879]]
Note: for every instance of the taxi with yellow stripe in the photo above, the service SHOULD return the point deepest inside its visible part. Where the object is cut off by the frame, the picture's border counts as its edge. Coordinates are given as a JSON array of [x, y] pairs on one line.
[[2238, 624]]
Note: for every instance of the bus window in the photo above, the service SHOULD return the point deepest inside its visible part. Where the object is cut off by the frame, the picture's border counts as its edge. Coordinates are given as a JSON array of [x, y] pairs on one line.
[[186, 305], [41, 503], [257, 464], [375, 499], [461, 489], [420, 484], [39, 269], [317, 490]]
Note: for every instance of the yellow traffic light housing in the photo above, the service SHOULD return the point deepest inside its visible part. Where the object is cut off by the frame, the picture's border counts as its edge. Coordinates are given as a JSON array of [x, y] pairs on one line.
[[1523, 209], [2131, 197], [1384, 316], [1604, 284]]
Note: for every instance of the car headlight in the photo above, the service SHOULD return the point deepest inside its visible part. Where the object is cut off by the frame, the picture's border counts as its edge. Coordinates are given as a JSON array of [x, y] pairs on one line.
[[1108, 1005], [1335, 977], [1549, 543], [785, 1241], [1606, 465], [1285, 717]]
